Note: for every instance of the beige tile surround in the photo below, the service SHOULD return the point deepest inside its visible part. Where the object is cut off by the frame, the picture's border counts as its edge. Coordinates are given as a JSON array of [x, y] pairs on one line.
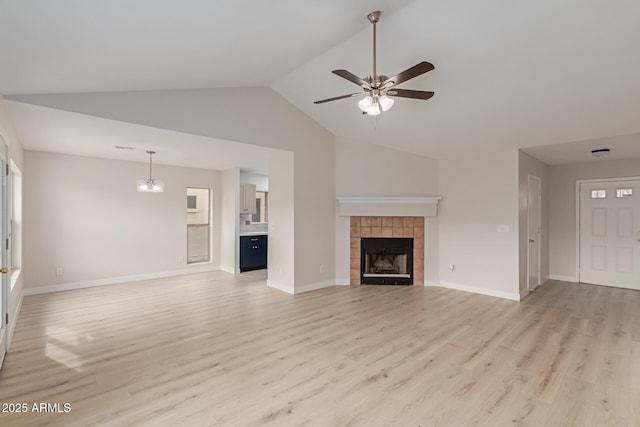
[[387, 226]]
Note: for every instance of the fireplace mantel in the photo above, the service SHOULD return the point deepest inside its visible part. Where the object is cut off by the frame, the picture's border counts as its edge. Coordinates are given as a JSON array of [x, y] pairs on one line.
[[388, 206]]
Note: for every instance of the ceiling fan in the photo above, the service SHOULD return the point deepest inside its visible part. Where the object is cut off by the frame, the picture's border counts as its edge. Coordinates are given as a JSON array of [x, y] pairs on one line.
[[380, 89]]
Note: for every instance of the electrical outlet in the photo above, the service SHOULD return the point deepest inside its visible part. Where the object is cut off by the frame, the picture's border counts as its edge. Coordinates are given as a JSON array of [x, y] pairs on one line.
[[180, 260], [59, 271], [321, 268]]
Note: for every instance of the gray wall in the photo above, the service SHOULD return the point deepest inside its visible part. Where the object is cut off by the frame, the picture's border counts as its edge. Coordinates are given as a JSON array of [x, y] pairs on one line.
[[230, 209], [479, 194], [371, 170], [84, 214]]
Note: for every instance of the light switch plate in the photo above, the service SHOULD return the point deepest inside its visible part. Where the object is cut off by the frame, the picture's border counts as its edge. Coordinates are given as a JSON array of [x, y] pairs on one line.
[[503, 229]]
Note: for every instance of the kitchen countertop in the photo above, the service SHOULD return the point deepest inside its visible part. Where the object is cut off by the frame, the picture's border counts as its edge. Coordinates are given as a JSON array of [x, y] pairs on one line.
[[254, 233]]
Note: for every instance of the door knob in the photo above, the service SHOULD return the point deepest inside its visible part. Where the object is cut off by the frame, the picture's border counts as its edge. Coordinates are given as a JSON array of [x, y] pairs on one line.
[[531, 241], [4, 270]]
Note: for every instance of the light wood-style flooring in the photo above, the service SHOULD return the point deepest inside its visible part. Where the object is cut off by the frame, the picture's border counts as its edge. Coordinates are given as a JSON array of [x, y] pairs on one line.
[[210, 349]]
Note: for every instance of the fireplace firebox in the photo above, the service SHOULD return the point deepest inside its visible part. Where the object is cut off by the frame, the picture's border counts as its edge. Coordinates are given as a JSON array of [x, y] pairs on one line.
[[386, 261]]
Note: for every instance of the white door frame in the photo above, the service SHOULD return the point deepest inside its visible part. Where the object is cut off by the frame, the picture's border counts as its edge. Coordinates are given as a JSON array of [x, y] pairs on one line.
[[539, 214], [4, 278], [578, 211]]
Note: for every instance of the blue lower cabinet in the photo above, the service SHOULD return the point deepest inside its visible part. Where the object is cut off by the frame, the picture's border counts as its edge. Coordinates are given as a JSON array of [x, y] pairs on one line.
[[253, 252]]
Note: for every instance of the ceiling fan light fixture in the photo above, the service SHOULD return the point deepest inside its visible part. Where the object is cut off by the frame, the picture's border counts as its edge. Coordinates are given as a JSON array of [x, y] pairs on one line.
[[386, 102], [375, 108], [370, 105], [374, 105], [365, 103]]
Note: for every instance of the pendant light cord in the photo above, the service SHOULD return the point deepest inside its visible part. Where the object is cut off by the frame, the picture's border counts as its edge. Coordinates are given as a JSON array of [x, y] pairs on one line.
[[151, 153]]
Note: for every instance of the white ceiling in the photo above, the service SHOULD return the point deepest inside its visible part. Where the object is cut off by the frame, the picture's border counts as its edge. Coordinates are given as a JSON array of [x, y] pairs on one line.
[[622, 147], [508, 74], [47, 129], [66, 46]]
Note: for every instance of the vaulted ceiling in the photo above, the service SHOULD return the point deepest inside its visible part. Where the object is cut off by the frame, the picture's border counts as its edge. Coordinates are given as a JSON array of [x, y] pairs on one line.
[[508, 74]]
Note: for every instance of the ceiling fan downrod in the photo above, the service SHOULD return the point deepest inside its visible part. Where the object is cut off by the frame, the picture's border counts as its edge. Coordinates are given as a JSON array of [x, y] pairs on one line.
[[374, 17]]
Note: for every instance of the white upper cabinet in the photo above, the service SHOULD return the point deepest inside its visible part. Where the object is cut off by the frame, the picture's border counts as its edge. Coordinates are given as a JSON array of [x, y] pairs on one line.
[[247, 198]]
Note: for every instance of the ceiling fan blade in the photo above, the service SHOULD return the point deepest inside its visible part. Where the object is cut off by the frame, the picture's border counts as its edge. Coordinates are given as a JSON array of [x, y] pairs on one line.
[[352, 78], [408, 74], [408, 93], [322, 101]]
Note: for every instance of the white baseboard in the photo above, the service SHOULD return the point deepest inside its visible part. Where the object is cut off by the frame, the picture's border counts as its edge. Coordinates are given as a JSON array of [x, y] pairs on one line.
[[563, 278], [295, 290], [314, 286], [342, 282], [116, 280], [432, 283], [227, 269], [14, 320], [476, 290], [284, 288]]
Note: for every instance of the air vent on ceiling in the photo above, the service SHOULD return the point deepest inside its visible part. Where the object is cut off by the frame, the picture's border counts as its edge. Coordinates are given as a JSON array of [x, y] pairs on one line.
[[124, 147]]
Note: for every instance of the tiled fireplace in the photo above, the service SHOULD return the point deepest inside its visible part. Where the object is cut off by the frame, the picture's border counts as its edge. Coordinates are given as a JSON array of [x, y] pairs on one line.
[[388, 227]]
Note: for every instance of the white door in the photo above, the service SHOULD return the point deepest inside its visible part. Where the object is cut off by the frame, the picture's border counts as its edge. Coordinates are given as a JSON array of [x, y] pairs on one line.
[[533, 224], [610, 233], [4, 293]]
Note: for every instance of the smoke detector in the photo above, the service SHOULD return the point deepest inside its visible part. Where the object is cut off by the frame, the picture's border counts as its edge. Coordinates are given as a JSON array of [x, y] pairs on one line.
[[600, 152]]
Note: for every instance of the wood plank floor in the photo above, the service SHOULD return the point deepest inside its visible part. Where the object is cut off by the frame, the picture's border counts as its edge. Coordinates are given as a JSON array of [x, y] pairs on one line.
[[210, 349]]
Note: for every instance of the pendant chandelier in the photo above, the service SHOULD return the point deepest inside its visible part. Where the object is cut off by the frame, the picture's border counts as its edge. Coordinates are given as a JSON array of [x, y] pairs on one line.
[[150, 185]]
